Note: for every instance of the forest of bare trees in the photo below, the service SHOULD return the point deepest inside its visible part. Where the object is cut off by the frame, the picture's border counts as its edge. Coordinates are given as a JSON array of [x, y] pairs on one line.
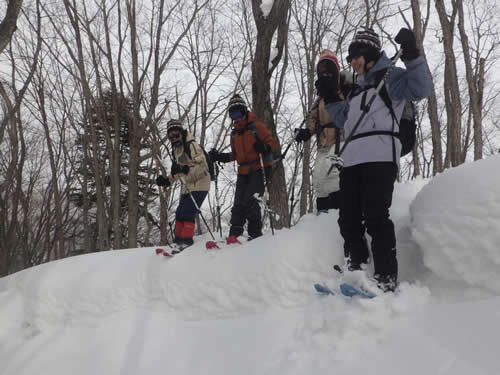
[[86, 88]]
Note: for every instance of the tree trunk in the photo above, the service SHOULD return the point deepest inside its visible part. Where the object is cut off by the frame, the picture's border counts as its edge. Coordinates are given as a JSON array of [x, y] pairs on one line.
[[432, 108], [472, 85], [451, 87], [262, 72], [8, 24]]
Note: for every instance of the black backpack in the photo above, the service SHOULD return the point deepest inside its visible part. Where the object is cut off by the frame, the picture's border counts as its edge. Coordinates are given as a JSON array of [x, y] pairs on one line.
[[408, 128], [407, 124], [210, 162]]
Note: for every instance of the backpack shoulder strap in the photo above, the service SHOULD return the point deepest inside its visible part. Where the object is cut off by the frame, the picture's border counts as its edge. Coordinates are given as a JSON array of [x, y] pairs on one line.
[[253, 128], [384, 94], [187, 148]]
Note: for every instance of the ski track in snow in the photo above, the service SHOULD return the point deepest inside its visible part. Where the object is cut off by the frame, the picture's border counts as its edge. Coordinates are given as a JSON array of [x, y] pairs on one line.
[[228, 283]]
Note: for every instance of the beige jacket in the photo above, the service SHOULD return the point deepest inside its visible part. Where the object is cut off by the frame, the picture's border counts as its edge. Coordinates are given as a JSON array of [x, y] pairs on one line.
[[319, 117], [198, 177]]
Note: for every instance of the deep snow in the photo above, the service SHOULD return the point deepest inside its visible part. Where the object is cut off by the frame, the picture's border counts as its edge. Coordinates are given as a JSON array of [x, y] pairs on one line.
[[252, 309]]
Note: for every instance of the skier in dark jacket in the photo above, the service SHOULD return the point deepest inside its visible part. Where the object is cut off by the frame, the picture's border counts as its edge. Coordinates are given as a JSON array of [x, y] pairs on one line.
[[250, 140], [190, 167], [370, 160]]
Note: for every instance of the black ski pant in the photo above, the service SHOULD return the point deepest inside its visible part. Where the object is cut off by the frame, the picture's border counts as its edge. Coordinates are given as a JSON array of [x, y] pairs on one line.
[[366, 192], [330, 202], [245, 206]]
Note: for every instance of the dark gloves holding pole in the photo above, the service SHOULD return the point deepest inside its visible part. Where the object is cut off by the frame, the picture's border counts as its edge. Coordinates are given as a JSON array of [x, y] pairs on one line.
[[218, 156], [408, 43], [336, 162], [162, 181], [302, 135], [176, 169], [261, 147]]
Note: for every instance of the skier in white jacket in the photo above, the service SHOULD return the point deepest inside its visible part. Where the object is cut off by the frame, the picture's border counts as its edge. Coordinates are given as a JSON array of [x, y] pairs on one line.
[[328, 134], [372, 149]]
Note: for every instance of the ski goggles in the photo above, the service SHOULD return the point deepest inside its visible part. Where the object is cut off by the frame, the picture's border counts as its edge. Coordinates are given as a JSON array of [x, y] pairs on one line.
[[236, 115], [356, 52]]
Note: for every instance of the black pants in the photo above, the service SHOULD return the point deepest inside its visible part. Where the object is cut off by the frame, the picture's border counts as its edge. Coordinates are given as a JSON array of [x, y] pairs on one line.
[[366, 191], [246, 207], [330, 202]]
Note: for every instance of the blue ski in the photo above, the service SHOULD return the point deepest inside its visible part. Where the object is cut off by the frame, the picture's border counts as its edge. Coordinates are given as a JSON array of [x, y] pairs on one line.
[[350, 291], [323, 289]]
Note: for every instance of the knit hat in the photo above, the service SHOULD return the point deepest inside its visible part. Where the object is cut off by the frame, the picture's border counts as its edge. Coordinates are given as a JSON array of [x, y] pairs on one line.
[[365, 43], [237, 104], [174, 124], [328, 55]]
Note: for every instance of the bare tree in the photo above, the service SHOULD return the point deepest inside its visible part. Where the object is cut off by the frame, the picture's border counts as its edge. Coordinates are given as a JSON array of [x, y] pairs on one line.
[[420, 25], [479, 34], [451, 85], [8, 24], [263, 67]]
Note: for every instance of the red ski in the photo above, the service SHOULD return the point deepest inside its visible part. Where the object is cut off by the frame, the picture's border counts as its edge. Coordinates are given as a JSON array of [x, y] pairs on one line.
[[231, 240], [212, 245], [164, 252]]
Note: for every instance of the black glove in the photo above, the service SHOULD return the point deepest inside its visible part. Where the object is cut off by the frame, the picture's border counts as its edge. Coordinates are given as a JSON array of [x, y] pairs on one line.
[[408, 43], [302, 135], [261, 147], [327, 87], [176, 169], [218, 156], [162, 181], [336, 161]]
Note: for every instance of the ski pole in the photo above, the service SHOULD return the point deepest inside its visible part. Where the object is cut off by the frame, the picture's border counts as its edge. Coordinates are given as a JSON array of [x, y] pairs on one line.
[[217, 198], [196, 206], [315, 104], [266, 192]]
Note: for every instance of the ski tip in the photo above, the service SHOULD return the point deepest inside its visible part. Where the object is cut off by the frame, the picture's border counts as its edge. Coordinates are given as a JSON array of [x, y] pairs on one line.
[[159, 251], [350, 291], [210, 245], [231, 240], [167, 254], [323, 289]]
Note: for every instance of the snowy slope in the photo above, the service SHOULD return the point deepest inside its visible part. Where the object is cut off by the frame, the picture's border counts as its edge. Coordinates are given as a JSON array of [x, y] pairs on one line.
[[251, 309]]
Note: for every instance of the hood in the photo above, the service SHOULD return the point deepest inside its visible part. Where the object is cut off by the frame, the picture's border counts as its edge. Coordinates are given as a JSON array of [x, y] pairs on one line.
[[382, 63]]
